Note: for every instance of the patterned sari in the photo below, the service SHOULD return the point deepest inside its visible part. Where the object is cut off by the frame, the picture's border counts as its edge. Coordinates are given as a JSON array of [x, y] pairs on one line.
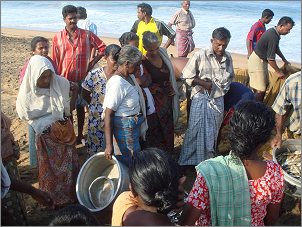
[[58, 166]]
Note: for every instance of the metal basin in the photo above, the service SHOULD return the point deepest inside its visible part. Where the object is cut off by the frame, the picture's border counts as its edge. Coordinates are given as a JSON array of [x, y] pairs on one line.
[[98, 166]]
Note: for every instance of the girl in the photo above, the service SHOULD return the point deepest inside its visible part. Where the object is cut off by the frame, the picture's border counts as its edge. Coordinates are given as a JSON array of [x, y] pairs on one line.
[[94, 93], [154, 191]]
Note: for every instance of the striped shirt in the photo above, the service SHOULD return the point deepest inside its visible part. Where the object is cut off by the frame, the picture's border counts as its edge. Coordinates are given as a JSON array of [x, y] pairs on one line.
[[290, 96], [72, 59], [183, 20], [255, 34], [204, 65]]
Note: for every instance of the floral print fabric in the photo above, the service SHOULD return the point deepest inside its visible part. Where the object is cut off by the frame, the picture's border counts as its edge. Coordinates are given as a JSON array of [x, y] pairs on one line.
[[263, 191], [95, 82]]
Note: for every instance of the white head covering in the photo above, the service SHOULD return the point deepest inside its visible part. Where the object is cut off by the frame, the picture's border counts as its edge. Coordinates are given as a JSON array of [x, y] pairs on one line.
[[42, 106]]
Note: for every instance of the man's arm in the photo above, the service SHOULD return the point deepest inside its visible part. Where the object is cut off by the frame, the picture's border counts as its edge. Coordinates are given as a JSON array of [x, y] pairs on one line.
[[100, 46], [204, 84], [273, 64], [168, 43], [164, 29], [280, 107], [279, 53], [277, 140], [41, 196], [134, 26], [249, 48], [55, 52]]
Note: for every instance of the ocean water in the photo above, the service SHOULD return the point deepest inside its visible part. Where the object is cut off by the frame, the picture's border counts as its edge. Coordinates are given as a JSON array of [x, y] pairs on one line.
[[115, 17]]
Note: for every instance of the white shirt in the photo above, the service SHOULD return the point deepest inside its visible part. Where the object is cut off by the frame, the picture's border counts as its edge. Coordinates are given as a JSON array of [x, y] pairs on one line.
[[121, 97], [87, 25]]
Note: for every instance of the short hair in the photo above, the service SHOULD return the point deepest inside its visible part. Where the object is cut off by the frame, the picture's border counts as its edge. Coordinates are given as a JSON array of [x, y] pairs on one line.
[[145, 8], [286, 20], [221, 34], [81, 11], [267, 13], [154, 176], [129, 54], [250, 126], [126, 37], [69, 9], [36, 40], [112, 50], [149, 38], [74, 215]]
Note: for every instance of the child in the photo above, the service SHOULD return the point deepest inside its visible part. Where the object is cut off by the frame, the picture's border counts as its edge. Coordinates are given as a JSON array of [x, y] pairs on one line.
[[154, 190], [94, 89]]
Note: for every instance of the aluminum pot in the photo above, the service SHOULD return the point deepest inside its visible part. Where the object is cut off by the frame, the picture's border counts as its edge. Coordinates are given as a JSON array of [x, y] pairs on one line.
[[293, 185], [97, 166]]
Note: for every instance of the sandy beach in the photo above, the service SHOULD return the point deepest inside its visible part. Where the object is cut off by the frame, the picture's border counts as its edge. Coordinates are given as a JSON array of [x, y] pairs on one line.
[[15, 49]]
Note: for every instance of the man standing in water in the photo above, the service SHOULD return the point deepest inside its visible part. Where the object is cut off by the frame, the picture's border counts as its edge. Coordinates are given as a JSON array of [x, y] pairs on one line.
[[265, 53], [71, 51], [184, 21]]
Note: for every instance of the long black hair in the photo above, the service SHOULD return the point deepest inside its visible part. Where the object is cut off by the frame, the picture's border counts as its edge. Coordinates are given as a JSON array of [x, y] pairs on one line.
[[154, 177], [250, 126]]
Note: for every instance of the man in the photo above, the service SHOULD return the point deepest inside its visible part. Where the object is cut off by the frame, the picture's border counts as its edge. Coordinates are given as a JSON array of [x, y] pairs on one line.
[[71, 51], [146, 22], [289, 96], [184, 21], [209, 72], [265, 53], [257, 30], [83, 22]]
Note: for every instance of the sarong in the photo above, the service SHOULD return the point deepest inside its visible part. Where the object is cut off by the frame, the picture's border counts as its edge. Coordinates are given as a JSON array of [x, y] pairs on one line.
[[126, 131], [184, 42], [200, 140], [58, 166], [160, 131]]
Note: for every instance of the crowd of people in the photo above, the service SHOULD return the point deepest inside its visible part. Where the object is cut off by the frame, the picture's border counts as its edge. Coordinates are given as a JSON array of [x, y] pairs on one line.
[[133, 107]]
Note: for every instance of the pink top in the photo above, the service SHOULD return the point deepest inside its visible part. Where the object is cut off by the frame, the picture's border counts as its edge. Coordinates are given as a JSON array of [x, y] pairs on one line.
[[263, 191], [22, 72]]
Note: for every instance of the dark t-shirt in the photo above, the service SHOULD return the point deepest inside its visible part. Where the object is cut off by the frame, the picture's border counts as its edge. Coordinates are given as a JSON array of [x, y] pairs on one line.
[[268, 45]]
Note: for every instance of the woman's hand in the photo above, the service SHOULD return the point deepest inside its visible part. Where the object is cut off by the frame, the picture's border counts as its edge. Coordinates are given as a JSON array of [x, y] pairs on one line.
[[108, 152]]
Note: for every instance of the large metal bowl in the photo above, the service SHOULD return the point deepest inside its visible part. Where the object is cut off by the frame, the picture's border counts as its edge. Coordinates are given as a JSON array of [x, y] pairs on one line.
[[293, 186], [97, 166]]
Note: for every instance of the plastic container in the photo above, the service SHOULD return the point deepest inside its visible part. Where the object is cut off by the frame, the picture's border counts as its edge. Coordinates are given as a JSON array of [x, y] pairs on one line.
[[294, 185], [98, 166]]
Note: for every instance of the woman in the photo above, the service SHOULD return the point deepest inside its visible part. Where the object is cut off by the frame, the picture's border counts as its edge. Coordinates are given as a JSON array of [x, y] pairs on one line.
[[165, 94], [38, 46], [46, 100], [154, 190], [94, 89], [239, 189], [125, 112], [141, 75]]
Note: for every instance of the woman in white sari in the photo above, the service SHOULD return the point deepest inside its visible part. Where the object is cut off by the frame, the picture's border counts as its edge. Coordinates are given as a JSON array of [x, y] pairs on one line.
[[46, 100]]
